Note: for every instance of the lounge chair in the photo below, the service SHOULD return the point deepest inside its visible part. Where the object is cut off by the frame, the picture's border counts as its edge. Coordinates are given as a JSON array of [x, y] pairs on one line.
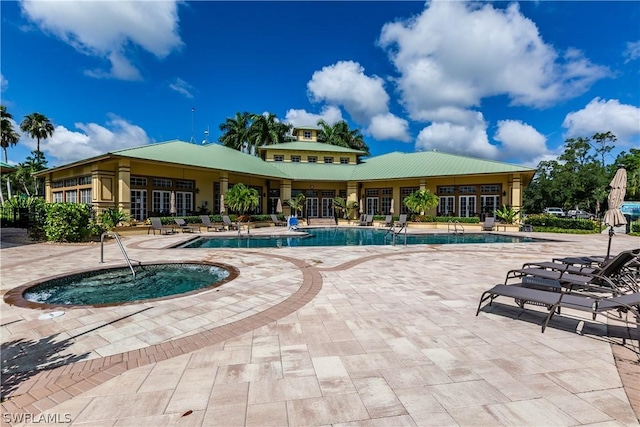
[[206, 222], [226, 221], [388, 221], [613, 276], [277, 222], [156, 224], [366, 220], [489, 223], [184, 227], [402, 220], [629, 303]]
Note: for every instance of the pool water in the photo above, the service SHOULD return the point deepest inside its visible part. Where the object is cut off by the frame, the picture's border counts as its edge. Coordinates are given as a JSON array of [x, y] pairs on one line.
[[344, 236], [117, 285]]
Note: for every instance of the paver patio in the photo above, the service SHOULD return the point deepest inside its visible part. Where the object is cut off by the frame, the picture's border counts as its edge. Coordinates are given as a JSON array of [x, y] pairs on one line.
[[353, 335]]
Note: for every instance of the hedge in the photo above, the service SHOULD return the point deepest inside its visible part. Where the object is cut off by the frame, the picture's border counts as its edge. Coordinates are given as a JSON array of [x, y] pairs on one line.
[[564, 223]]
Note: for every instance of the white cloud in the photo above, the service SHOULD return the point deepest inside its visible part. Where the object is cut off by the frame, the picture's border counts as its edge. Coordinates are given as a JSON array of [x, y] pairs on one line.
[[388, 126], [182, 87], [633, 51], [330, 114], [345, 83], [90, 140], [602, 116], [4, 83], [454, 54], [522, 142], [470, 139], [105, 29]]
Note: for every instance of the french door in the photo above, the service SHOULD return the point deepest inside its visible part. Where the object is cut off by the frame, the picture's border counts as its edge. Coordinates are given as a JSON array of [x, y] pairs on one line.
[[312, 207], [139, 205], [371, 205], [327, 208], [467, 206]]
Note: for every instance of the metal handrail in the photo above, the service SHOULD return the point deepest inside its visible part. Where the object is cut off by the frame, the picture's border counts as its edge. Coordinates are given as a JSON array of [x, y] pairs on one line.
[[461, 226], [455, 226], [124, 253]]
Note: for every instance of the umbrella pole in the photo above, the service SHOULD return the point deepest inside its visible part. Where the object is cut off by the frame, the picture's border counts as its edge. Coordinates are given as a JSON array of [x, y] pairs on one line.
[[609, 246]]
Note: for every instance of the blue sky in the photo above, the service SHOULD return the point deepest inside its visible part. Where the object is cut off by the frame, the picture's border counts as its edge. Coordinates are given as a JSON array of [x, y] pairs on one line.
[[504, 80]]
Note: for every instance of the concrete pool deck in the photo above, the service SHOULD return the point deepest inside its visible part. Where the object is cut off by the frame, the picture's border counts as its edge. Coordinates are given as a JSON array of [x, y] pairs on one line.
[[370, 335]]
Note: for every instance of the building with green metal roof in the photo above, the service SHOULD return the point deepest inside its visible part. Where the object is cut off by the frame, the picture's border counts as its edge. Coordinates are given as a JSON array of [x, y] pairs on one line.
[[144, 180]]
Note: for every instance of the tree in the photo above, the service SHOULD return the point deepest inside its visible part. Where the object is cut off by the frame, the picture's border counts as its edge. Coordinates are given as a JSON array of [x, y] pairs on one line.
[[242, 199], [420, 201], [236, 131], [297, 203], [9, 136], [266, 130], [23, 176], [37, 126], [631, 162], [341, 135], [603, 148]]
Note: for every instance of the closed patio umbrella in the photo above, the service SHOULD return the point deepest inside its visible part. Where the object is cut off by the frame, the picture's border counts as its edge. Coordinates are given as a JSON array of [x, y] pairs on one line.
[[279, 206], [221, 204], [614, 217], [172, 204], [361, 207], [391, 210]]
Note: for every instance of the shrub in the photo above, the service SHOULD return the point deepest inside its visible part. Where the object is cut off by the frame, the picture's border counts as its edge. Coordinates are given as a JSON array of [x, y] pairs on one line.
[[111, 217], [561, 223], [67, 222]]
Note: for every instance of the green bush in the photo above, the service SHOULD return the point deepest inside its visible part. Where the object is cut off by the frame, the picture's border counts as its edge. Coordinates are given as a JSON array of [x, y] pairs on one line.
[[111, 217], [560, 223], [67, 222], [635, 227]]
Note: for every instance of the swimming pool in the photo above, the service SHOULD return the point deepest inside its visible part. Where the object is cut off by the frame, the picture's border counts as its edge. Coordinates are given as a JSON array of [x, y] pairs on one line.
[[345, 236]]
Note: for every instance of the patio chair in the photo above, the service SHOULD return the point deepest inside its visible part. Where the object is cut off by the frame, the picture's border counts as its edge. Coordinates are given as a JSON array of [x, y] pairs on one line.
[[206, 222], [402, 220], [184, 227], [156, 224], [388, 221], [366, 220], [554, 301], [226, 221], [614, 276], [277, 222], [489, 223]]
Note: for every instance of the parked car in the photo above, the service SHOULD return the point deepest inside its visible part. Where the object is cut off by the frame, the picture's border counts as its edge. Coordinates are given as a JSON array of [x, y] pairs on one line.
[[580, 214], [555, 211], [632, 209]]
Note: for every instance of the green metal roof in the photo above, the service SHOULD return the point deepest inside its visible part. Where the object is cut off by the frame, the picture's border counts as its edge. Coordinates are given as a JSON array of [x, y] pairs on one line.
[[388, 166], [316, 171], [5, 167], [429, 163], [212, 156], [310, 146]]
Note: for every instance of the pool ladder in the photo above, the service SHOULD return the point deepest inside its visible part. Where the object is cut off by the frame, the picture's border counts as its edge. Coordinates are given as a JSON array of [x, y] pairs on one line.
[[394, 233], [124, 253], [455, 225]]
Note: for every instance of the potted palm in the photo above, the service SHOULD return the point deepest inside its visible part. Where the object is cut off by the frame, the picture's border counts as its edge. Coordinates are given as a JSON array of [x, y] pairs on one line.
[[420, 201], [242, 199]]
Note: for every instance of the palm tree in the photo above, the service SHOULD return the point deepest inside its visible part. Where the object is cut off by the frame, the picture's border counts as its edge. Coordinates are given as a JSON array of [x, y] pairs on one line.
[[341, 135], [266, 130], [236, 131], [241, 198], [37, 126], [421, 200], [9, 135], [297, 203]]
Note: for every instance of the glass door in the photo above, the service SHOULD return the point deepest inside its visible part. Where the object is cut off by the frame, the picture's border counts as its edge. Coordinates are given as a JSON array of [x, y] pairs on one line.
[[489, 204], [371, 205], [139, 205], [467, 206], [312, 207], [327, 208]]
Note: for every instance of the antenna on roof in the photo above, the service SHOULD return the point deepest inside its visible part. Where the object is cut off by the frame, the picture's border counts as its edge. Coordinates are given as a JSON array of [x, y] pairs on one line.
[[206, 136], [192, 140]]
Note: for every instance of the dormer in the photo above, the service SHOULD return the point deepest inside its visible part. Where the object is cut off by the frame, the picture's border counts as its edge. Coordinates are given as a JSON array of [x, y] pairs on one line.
[[306, 133]]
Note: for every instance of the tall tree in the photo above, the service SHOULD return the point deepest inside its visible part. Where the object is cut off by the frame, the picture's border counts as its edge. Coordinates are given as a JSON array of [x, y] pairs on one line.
[[266, 129], [37, 126], [603, 147], [341, 135], [9, 136], [236, 131]]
